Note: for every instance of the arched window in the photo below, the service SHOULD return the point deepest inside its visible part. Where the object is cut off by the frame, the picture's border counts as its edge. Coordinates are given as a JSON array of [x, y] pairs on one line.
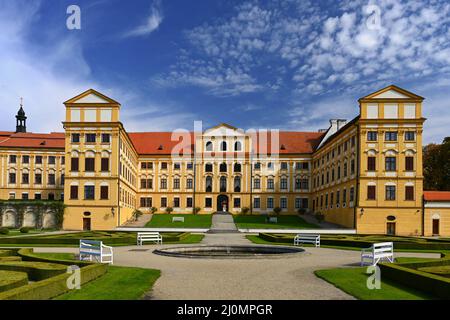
[[208, 167], [237, 146], [208, 184], [223, 184], [223, 167], [237, 184], [223, 146], [237, 167], [209, 146]]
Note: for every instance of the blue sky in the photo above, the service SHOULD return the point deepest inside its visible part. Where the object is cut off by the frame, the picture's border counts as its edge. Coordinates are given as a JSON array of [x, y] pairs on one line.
[[254, 64]]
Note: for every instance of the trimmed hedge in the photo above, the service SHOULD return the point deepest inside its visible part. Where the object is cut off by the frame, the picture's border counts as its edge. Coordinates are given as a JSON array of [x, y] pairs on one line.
[[10, 258], [27, 254], [6, 253], [12, 279], [36, 270], [443, 271], [54, 286]]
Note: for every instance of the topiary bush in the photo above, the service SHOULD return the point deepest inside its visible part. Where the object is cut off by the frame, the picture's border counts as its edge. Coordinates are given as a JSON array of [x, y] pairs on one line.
[[4, 230], [24, 230]]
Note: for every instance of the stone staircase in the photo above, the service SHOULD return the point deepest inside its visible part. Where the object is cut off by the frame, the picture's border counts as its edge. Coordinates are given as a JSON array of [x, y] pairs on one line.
[[222, 222]]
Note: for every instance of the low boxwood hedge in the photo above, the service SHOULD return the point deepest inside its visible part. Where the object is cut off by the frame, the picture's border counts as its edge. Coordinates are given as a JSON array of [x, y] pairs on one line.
[[12, 279], [36, 270], [443, 271], [54, 286], [10, 258]]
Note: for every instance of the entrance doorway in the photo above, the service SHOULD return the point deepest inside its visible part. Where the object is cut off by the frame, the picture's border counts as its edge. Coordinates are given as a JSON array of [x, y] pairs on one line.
[[390, 228], [435, 227], [86, 224], [222, 203]]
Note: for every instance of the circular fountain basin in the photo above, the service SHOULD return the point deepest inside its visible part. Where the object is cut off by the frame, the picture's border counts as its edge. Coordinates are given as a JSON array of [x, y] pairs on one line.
[[232, 252]]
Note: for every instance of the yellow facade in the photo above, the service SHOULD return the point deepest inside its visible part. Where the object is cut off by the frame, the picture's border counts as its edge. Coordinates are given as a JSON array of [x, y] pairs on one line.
[[365, 174]]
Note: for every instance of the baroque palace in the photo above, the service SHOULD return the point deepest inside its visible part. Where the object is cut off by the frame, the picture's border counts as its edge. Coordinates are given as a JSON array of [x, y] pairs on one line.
[[365, 174]]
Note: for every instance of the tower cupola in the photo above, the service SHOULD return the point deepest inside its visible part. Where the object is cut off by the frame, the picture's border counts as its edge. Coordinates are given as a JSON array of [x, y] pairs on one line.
[[21, 119]]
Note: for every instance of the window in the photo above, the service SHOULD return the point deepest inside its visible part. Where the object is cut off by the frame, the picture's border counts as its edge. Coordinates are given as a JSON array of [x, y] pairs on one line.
[[283, 184], [189, 202], [409, 193], [105, 164], [163, 183], [237, 167], [176, 202], [223, 146], [390, 136], [391, 164], [75, 138], [146, 202], [298, 203], [208, 202], [12, 158], [270, 183], [189, 166], [371, 192], [51, 160], [304, 184], [38, 160], [269, 203], [237, 202], [163, 165], [298, 165], [352, 166], [298, 184], [176, 166], [338, 198], [89, 192], [409, 163], [176, 183], [208, 167], [208, 184], [89, 164], [63, 177], [390, 192], [51, 179], [73, 192], [189, 183], [146, 183], [91, 137], [352, 194], [25, 178], [209, 146], [371, 163], [38, 178], [237, 146], [163, 202], [24, 196], [305, 165], [339, 172], [270, 165], [63, 160], [372, 136], [104, 192], [237, 184], [223, 167], [345, 169], [25, 159], [74, 164], [37, 196], [410, 136], [51, 196], [257, 183], [143, 165], [257, 166], [106, 138], [256, 203], [283, 203], [284, 166]]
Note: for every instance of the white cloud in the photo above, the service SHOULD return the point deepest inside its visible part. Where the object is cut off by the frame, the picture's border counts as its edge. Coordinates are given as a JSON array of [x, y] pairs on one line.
[[152, 22]]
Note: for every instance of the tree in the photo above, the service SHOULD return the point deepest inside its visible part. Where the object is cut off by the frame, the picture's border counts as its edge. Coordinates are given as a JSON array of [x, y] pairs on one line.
[[436, 166], [277, 211], [197, 210], [245, 210], [169, 210], [153, 210]]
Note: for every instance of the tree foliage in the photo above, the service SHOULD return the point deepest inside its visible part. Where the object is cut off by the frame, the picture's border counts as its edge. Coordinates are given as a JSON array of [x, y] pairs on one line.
[[436, 166]]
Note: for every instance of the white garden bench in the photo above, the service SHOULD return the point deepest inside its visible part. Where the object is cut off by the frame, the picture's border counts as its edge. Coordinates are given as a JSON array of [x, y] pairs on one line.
[[273, 220], [307, 238], [148, 236], [177, 219], [383, 251], [95, 251]]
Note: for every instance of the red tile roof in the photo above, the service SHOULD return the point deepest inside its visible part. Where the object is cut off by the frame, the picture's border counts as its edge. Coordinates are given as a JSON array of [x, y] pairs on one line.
[[54, 140], [290, 142], [436, 195]]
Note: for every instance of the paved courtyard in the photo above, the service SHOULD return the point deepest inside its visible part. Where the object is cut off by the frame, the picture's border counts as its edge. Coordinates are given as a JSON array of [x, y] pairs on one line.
[[260, 279]]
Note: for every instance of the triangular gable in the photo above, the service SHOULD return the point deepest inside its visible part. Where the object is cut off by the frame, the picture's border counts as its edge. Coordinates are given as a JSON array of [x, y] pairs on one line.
[[223, 129], [392, 92], [91, 96]]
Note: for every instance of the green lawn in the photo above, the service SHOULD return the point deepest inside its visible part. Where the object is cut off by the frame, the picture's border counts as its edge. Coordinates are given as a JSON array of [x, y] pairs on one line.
[[284, 222], [55, 255], [202, 221], [119, 283], [354, 282]]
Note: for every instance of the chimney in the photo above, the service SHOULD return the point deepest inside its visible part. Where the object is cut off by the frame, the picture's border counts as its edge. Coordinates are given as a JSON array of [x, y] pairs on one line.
[[341, 123]]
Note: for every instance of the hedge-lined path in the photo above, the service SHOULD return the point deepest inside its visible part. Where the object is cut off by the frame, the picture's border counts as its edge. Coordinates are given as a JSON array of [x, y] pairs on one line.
[[265, 279]]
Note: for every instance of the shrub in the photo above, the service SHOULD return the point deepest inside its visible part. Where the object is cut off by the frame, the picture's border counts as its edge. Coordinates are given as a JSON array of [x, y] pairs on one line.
[[24, 230], [4, 230], [245, 210], [276, 211], [153, 210], [197, 210], [137, 214], [169, 210]]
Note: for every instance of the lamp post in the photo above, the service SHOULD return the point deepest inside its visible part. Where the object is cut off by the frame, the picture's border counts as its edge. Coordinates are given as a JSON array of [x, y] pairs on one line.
[[112, 211], [362, 211]]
